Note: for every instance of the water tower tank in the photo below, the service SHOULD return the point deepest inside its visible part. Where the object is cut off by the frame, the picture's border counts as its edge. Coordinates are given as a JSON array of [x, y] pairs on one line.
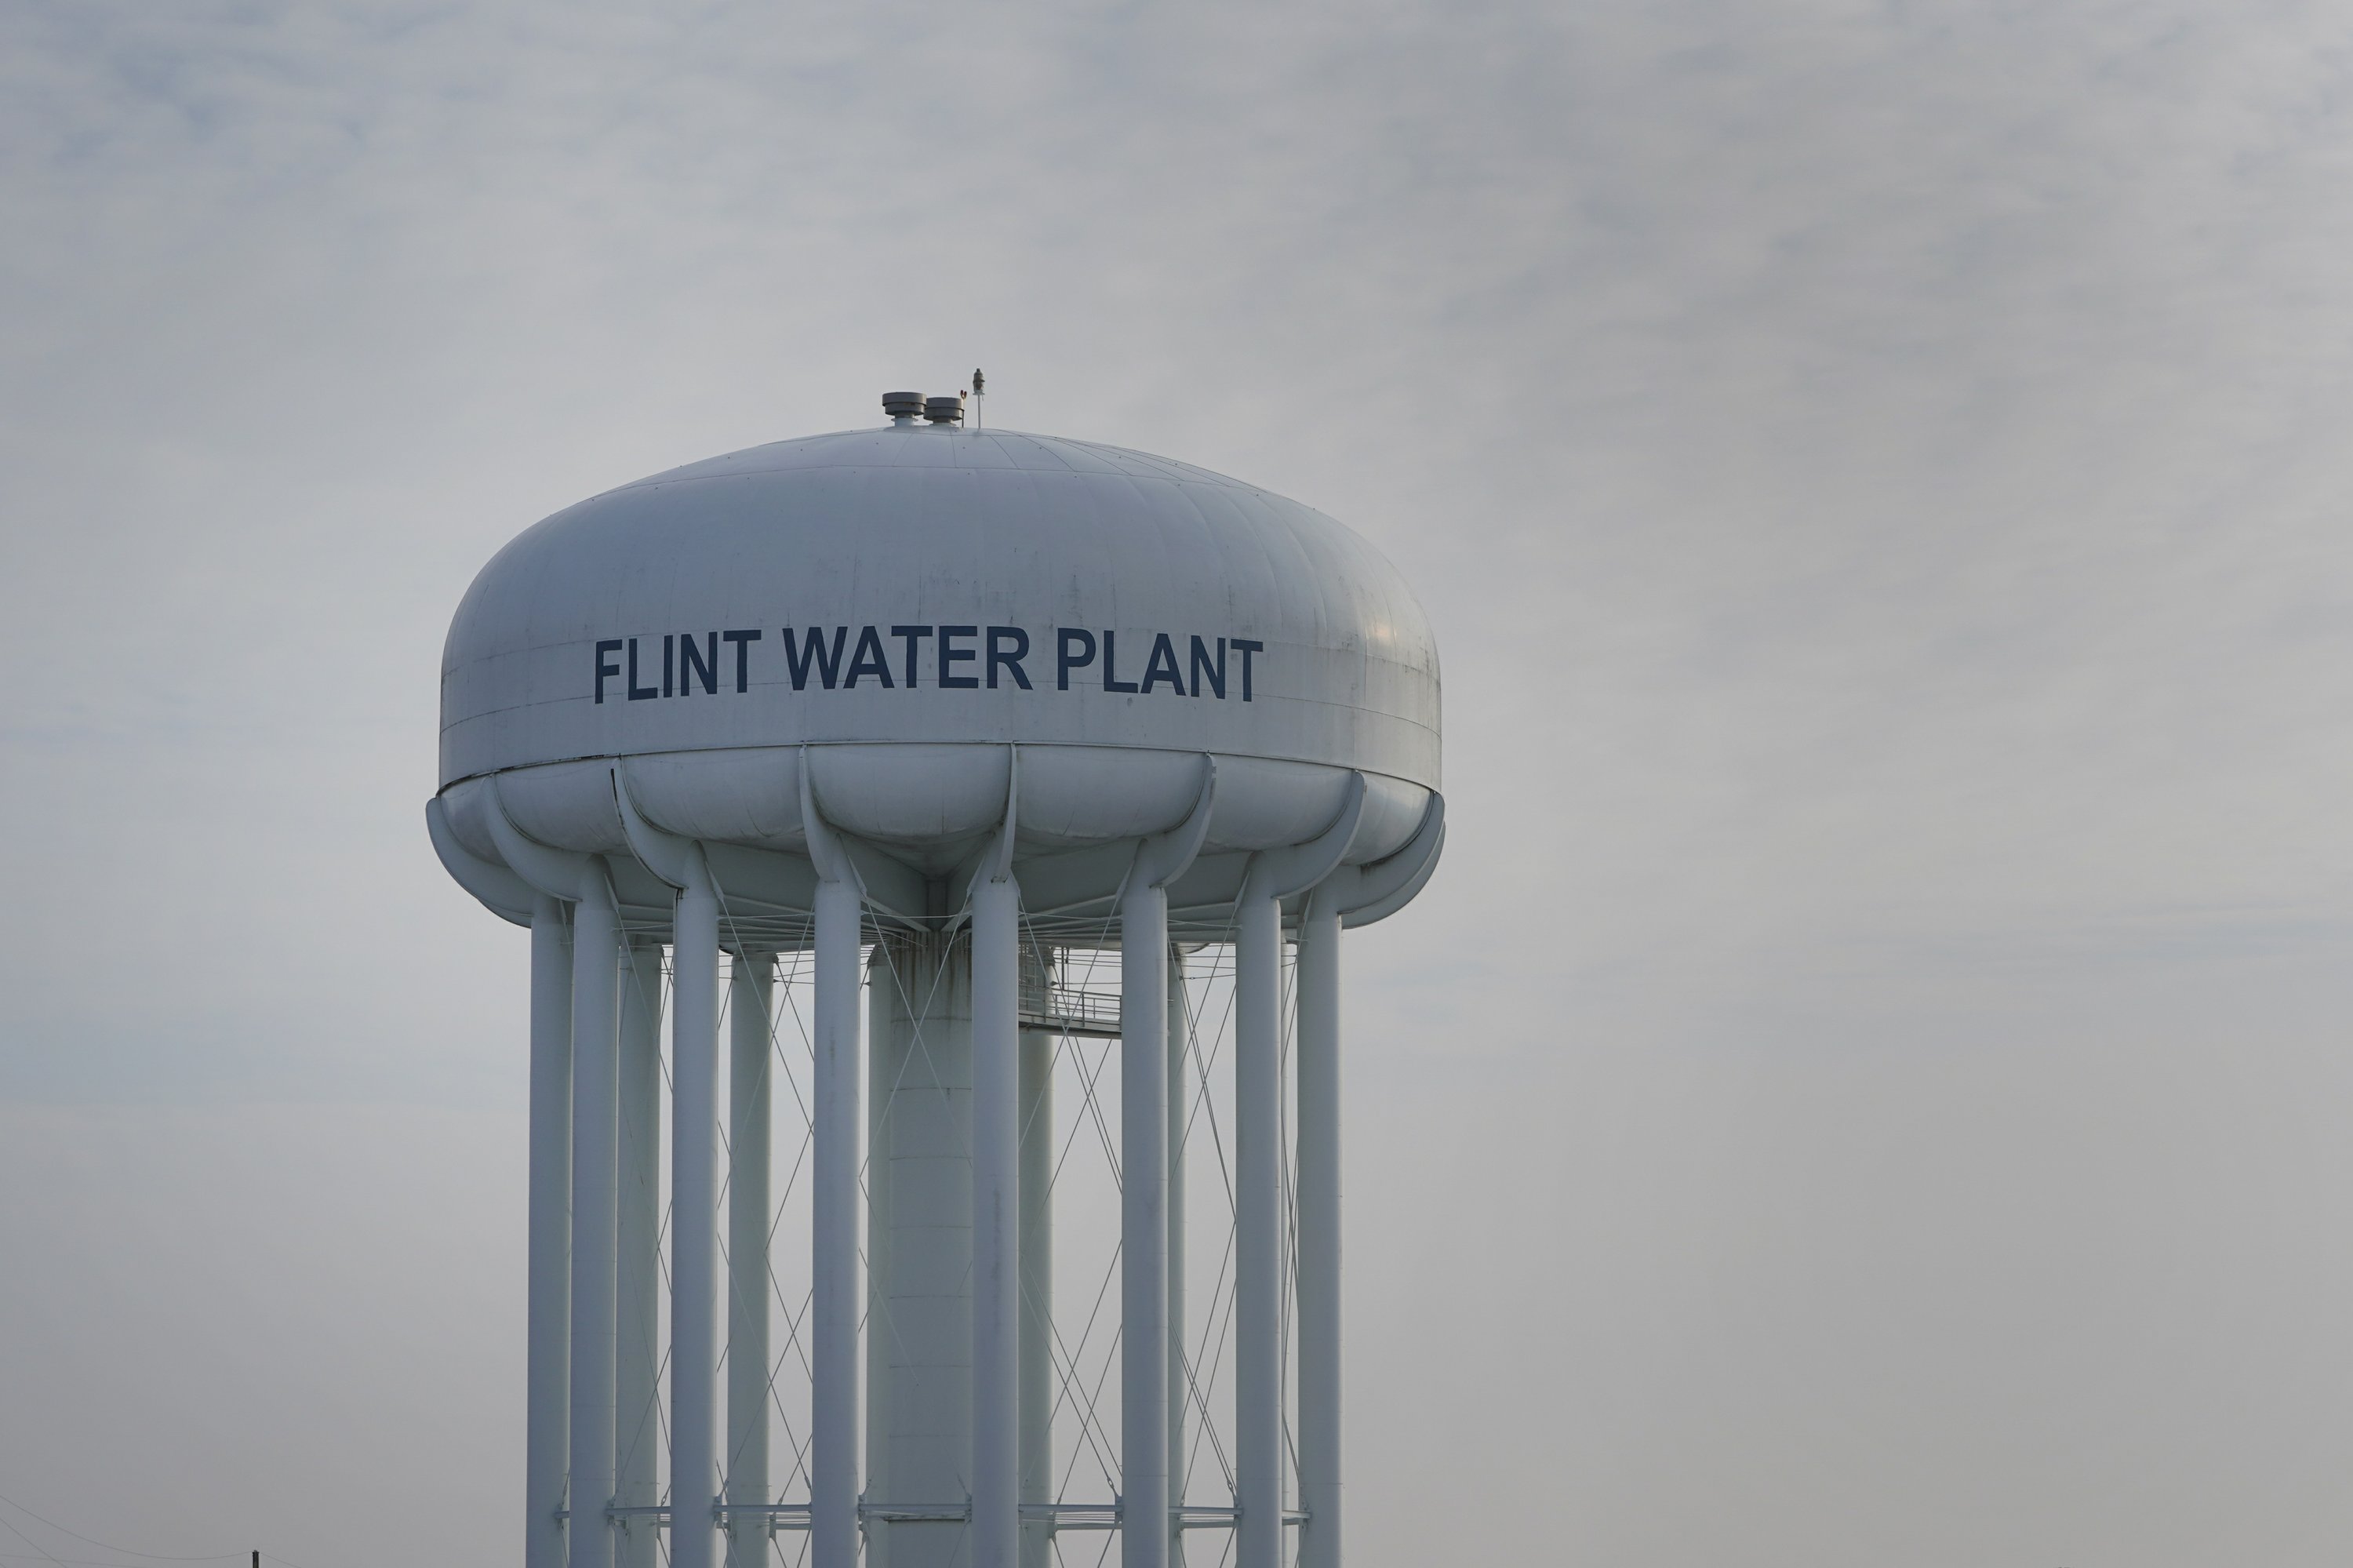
[[930, 709]]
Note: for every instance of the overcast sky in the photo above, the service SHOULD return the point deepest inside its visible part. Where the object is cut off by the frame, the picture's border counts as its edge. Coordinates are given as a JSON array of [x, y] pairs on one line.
[[1870, 1083]]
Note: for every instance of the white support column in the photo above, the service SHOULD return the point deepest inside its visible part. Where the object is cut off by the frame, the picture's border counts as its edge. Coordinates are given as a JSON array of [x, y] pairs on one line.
[[595, 976], [694, 1222], [1143, 1225], [549, 1243], [1036, 1091], [1152, 1206], [995, 1218], [882, 1080], [749, 1078], [1258, 1251], [1180, 1109], [833, 1470], [636, 1260], [1274, 876], [1319, 1233]]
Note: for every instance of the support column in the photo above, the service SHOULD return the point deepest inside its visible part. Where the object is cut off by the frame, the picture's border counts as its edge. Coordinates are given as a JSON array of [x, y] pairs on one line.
[[919, 1247], [1258, 1201], [694, 1222], [637, 1268], [1036, 1094], [996, 1244], [1180, 1110], [1319, 1233], [1143, 1225], [595, 976], [885, 1062], [548, 1312], [833, 1196], [749, 1086]]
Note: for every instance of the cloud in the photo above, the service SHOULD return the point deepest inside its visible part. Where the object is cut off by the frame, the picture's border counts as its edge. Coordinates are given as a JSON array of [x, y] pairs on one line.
[[1859, 1085]]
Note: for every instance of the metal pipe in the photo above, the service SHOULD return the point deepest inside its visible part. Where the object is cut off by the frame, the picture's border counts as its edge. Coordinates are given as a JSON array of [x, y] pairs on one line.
[[549, 1245], [833, 1394], [749, 1085], [919, 1252], [1258, 1248], [996, 1239], [1180, 1045], [596, 976], [637, 1267], [694, 1224], [882, 1062], [1143, 1225], [1319, 1232], [1037, 1092]]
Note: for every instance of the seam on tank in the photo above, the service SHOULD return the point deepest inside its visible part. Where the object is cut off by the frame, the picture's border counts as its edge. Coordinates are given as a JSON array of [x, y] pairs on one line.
[[1026, 744]]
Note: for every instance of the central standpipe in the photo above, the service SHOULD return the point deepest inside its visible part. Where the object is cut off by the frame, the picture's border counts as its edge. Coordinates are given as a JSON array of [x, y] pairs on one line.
[[920, 1335], [995, 1222], [919, 1278]]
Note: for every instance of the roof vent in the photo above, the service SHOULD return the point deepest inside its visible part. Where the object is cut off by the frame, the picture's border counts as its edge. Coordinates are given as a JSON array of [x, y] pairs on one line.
[[944, 410], [902, 406]]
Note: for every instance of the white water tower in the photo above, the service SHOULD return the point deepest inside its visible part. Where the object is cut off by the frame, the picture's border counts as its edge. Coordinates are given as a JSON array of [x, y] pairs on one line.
[[921, 721]]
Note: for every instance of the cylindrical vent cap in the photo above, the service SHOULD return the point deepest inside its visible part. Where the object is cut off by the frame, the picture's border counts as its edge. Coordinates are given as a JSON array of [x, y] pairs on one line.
[[944, 410], [903, 405]]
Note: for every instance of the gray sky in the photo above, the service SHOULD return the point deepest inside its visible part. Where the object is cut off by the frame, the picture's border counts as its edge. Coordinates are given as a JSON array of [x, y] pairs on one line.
[[1869, 1084]]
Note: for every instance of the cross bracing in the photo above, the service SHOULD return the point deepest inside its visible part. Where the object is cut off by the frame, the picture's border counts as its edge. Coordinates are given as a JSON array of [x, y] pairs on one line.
[[1068, 1182], [1074, 1002]]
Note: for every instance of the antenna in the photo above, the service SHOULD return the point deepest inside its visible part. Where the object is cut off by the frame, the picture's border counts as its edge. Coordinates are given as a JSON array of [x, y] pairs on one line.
[[978, 382]]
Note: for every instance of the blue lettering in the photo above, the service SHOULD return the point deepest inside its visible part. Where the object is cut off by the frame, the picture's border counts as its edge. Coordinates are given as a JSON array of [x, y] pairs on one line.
[[1112, 683], [1011, 661], [957, 656], [742, 641], [1065, 661], [867, 661], [813, 651], [1215, 674], [910, 635], [1162, 665], [691, 657], [1246, 648]]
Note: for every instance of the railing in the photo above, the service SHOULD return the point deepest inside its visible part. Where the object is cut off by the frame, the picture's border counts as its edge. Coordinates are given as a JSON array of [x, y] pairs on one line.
[[1068, 1011], [1059, 1516]]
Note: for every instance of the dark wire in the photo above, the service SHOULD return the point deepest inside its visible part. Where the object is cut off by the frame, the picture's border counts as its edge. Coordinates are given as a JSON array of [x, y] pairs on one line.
[[105, 1546]]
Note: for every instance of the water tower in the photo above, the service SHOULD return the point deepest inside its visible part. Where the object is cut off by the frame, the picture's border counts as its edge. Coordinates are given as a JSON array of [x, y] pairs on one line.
[[922, 720]]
